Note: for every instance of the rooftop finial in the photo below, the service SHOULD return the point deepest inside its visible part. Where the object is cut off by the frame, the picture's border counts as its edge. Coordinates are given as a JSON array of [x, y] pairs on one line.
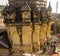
[[49, 7], [49, 3]]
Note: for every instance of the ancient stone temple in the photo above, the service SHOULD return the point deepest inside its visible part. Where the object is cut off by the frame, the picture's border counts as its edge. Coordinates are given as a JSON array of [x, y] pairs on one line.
[[27, 24]]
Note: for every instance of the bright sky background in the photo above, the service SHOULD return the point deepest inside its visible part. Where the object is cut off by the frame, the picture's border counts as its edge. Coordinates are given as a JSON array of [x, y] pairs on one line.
[[53, 4]]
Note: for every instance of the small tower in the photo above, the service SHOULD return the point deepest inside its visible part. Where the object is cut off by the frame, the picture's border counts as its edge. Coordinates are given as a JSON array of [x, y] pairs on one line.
[[49, 12], [26, 16], [49, 7], [49, 23]]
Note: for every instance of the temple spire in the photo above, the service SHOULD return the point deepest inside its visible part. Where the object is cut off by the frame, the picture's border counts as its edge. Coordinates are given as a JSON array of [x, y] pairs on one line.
[[49, 7]]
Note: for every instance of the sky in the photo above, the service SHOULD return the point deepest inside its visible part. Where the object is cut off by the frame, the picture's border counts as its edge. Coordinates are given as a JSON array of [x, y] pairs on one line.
[[53, 4]]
